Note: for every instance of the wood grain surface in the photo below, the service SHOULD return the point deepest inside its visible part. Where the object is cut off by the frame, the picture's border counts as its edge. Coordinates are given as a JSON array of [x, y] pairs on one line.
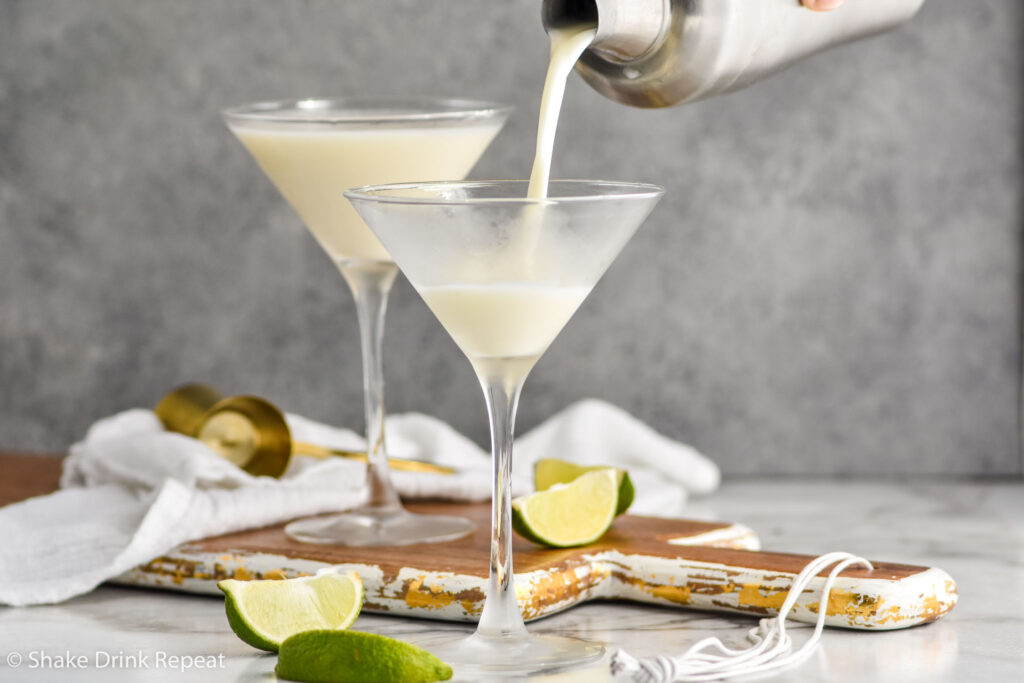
[[668, 561]]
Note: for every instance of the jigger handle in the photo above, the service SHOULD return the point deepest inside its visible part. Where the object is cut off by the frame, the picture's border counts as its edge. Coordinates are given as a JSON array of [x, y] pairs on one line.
[[316, 451]]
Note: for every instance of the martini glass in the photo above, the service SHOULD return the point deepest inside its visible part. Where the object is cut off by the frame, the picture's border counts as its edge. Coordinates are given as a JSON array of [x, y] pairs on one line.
[[312, 150], [503, 274]]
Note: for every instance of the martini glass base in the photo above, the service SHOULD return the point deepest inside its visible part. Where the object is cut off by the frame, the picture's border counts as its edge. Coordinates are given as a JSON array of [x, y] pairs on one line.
[[478, 656], [370, 528]]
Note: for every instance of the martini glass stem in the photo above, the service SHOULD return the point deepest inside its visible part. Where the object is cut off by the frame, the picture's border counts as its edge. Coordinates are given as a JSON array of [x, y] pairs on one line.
[[501, 616], [370, 282]]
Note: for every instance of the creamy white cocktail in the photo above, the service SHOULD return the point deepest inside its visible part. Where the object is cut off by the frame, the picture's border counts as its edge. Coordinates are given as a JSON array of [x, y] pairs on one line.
[[504, 323], [503, 273], [313, 164], [315, 149]]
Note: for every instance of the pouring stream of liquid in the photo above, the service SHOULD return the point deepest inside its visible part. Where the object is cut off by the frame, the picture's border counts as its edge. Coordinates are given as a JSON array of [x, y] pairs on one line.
[[567, 44]]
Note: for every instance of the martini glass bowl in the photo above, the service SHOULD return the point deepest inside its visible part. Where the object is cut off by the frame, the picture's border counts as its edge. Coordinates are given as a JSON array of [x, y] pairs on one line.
[[312, 150], [503, 274]]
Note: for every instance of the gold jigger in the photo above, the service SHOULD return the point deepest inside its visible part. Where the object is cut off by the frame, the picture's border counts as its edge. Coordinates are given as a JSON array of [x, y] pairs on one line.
[[251, 432]]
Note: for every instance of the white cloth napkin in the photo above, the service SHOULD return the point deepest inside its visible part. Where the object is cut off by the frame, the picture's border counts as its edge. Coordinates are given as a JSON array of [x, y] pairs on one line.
[[131, 491]]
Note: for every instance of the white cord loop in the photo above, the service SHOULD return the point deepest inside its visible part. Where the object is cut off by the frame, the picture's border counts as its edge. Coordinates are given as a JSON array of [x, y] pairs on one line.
[[772, 647]]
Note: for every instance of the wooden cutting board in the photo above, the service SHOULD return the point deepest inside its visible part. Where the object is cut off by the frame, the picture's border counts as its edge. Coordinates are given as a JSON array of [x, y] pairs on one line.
[[704, 565]]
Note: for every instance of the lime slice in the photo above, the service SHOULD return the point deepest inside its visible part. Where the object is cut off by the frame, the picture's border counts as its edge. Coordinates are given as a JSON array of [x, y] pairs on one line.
[[264, 613], [568, 515], [354, 657], [550, 471]]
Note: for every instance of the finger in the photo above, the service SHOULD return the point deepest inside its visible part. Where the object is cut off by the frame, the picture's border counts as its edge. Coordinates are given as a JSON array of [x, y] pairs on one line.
[[822, 5]]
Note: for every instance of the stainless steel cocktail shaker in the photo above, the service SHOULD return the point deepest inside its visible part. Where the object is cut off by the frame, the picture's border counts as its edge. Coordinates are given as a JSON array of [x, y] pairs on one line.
[[657, 53]]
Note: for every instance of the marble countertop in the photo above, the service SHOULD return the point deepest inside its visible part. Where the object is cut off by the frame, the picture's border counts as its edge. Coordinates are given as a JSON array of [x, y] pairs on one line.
[[975, 531]]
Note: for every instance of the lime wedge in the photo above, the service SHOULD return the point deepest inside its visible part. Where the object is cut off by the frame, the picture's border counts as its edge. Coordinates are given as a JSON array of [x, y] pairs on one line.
[[354, 657], [265, 613], [568, 515], [550, 471]]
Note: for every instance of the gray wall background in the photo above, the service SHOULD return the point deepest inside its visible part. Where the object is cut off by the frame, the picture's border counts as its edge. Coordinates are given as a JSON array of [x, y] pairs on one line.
[[832, 284]]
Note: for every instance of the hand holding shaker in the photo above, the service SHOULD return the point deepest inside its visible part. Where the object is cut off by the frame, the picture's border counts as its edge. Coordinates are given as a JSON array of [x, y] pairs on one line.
[[658, 53]]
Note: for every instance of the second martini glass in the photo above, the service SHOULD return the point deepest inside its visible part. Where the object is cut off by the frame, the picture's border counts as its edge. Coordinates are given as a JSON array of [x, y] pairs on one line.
[[503, 274], [312, 150]]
